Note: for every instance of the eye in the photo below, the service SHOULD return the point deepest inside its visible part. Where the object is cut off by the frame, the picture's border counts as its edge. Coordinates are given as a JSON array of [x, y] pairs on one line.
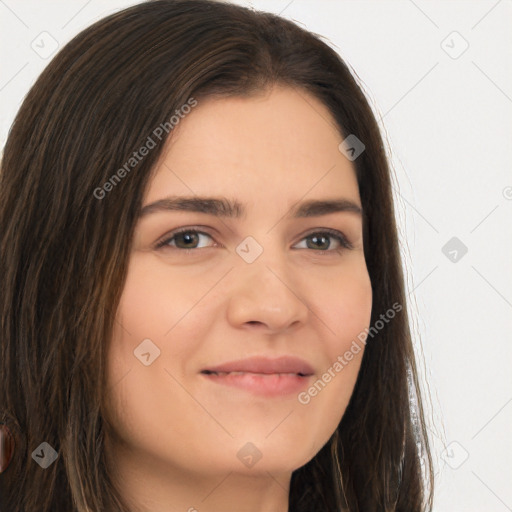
[[186, 240], [323, 237]]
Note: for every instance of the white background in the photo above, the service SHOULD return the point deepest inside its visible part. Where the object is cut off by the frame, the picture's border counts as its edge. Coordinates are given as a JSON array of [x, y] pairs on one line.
[[448, 122]]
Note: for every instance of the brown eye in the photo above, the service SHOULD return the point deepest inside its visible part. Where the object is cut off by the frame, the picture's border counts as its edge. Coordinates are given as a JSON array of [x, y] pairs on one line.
[[185, 239], [321, 240]]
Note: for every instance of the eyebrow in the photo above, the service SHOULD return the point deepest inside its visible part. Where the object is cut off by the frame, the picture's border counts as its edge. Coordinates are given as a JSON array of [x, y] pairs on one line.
[[223, 207]]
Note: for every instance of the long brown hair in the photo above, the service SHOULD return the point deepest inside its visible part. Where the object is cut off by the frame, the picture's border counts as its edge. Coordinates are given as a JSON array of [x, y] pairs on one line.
[[65, 250]]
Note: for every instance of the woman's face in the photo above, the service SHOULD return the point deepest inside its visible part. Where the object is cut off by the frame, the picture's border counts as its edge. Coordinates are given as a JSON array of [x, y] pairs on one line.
[[262, 281]]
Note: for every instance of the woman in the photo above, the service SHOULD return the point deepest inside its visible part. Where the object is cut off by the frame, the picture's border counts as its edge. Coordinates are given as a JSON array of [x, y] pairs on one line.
[[203, 304]]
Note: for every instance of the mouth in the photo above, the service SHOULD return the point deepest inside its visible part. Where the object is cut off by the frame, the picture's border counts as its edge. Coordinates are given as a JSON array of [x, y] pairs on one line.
[[263, 376], [210, 372], [264, 365]]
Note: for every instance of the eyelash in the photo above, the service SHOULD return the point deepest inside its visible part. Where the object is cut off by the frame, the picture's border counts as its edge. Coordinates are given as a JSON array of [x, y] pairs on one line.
[[338, 235]]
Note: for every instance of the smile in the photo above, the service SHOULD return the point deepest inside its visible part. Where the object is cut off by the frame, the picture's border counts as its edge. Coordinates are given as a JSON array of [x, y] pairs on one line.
[[263, 384]]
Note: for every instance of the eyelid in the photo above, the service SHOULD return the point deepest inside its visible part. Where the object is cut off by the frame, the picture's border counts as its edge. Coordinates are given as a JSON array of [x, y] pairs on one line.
[[333, 233]]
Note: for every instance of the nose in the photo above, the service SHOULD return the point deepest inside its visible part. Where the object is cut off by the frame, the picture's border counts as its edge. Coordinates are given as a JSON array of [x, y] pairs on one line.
[[266, 295]]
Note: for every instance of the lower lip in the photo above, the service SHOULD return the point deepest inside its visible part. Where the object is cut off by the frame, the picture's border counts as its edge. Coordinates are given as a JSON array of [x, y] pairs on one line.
[[262, 384]]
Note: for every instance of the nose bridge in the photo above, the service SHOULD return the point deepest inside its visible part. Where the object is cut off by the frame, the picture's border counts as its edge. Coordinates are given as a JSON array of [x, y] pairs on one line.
[[265, 290], [262, 260]]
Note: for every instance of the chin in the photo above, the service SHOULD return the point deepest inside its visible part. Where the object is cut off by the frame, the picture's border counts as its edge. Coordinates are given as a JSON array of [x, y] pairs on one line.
[[272, 455]]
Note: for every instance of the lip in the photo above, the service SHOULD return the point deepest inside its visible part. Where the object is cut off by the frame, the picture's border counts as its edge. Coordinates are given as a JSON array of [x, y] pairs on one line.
[[262, 375], [265, 365]]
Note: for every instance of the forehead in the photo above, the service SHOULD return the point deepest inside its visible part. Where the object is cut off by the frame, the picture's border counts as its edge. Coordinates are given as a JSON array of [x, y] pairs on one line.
[[282, 140]]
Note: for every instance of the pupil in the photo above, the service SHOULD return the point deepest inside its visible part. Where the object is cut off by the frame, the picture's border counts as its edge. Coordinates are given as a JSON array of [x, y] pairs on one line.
[[316, 238], [188, 237]]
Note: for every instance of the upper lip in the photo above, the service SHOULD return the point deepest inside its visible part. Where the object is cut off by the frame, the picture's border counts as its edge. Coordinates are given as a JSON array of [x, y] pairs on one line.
[[284, 364]]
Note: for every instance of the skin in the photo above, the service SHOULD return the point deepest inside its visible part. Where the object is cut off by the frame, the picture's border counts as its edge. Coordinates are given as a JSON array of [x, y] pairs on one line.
[[175, 434]]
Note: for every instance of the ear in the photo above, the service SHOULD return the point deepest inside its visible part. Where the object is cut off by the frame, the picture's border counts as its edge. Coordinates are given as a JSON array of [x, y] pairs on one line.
[[6, 447]]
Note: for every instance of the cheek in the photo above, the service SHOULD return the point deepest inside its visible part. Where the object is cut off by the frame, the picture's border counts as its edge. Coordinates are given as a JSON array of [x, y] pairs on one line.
[[160, 306], [158, 303], [345, 307], [345, 310], [153, 300]]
